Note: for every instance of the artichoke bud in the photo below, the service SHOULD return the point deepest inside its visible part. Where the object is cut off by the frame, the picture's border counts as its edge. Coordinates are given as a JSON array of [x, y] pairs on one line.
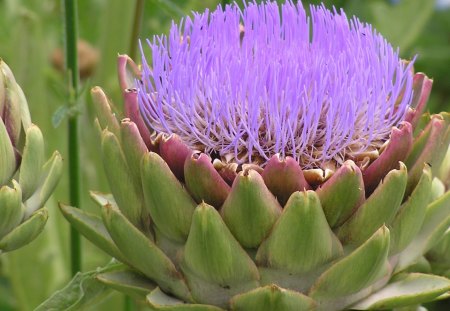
[[273, 165], [22, 158]]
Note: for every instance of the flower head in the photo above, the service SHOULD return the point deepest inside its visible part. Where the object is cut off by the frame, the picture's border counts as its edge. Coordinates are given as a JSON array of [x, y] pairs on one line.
[[320, 88], [249, 86]]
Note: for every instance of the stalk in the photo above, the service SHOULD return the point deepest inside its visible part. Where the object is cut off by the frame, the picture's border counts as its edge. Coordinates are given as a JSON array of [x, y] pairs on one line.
[[136, 30], [71, 35], [128, 304]]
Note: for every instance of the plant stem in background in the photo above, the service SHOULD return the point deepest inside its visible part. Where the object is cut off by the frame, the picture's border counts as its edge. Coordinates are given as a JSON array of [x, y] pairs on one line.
[[137, 23], [128, 304], [71, 34]]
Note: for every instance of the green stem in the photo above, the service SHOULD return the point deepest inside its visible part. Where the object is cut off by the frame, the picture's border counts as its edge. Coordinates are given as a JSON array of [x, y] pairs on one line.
[[71, 35], [128, 304], [137, 24]]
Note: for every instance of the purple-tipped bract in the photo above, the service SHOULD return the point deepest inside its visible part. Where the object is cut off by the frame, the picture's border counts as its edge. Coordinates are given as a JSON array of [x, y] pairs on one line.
[[247, 84]]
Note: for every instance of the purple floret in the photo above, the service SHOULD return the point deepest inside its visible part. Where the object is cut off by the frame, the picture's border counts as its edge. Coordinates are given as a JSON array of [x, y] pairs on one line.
[[320, 88]]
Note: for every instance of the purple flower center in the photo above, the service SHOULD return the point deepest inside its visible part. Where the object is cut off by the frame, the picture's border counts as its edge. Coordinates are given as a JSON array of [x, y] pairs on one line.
[[320, 88]]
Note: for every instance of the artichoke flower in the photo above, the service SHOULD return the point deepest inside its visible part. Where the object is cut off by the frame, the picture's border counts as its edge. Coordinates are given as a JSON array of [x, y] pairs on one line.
[[26, 180], [272, 161]]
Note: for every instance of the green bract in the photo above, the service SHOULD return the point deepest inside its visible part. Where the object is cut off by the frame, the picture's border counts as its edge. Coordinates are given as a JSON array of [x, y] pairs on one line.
[[26, 180], [198, 234]]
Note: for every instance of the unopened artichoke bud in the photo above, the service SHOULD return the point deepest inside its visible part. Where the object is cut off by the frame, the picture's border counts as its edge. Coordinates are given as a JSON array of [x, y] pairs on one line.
[[26, 179], [286, 163]]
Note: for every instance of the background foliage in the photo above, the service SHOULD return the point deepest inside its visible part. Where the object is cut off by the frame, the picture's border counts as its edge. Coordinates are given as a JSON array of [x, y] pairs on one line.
[[31, 31]]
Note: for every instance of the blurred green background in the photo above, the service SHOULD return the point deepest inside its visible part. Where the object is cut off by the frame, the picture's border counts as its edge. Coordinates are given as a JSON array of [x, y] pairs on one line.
[[31, 41]]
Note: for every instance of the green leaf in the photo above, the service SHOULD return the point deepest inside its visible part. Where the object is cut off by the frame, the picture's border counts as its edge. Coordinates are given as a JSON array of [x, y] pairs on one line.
[[405, 290], [83, 291], [68, 110], [59, 115], [271, 298]]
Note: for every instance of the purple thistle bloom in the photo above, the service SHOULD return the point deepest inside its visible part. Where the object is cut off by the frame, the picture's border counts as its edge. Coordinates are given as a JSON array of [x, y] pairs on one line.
[[320, 89]]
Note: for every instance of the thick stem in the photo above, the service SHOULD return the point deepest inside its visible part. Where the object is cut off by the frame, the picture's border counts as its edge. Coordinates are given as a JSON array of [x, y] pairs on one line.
[[137, 24], [128, 304], [71, 53]]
